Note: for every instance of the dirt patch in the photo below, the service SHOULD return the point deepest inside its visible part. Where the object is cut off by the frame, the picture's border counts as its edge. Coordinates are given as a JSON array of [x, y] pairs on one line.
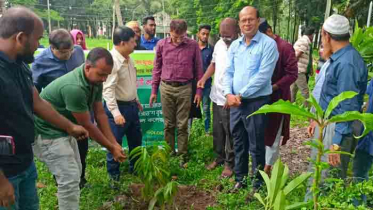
[[187, 197], [295, 154]]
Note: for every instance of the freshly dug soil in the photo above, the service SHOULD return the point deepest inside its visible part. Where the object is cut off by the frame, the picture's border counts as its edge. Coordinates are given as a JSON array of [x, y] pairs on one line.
[[188, 197], [294, 154]]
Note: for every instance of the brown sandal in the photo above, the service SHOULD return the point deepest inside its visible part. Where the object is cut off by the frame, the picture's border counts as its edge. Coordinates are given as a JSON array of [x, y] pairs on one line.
[[227, 172], [212, 166]]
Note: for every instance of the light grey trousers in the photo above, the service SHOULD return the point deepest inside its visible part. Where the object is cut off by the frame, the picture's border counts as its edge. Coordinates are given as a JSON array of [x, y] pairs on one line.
[[62, 158]]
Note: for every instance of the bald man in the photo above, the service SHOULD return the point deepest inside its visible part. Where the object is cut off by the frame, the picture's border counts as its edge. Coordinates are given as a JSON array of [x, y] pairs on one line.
[[20, 33], [222, 138], [135, 26], [247, 87]]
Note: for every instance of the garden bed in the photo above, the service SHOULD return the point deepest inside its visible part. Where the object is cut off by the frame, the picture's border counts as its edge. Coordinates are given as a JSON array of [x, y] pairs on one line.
[[188, 197]]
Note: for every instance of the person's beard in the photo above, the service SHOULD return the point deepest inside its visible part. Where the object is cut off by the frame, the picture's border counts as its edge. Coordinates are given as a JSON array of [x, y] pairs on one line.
[[28, 55], [138, 44], [204, 41], [327, 50], [151, 33]]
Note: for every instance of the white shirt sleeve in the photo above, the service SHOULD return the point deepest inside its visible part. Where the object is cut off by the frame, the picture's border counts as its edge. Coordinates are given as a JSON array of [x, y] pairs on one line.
[[109, 91]]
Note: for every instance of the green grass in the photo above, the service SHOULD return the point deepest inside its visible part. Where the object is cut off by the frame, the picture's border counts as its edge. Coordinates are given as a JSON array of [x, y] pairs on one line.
[[200, 150], [201, 153], [91, 43]]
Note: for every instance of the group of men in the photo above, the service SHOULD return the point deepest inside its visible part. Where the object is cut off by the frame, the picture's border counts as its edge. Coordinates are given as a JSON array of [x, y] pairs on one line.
[[55, 126], [97, 97], [255, 69]]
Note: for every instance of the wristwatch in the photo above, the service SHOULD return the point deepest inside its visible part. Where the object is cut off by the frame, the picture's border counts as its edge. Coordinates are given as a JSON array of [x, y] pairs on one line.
[[336, 147]]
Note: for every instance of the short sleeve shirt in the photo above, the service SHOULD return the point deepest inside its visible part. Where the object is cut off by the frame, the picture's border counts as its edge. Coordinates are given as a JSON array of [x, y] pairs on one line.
[[16, 114], [67, 94]]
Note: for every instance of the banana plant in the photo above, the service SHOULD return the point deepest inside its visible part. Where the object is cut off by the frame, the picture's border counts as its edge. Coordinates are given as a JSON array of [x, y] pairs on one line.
[[153, 168], [362, 40], [323, 119], [277, 192]]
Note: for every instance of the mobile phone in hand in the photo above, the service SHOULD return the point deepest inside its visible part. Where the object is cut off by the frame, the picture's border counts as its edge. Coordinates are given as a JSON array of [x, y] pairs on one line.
[[7, 146]]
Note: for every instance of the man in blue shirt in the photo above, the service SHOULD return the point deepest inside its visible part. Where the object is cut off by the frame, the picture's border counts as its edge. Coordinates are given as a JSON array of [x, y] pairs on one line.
[[346, 72], [247, 87], [148, 40], [206, 53], [58, 59], [363, 159]]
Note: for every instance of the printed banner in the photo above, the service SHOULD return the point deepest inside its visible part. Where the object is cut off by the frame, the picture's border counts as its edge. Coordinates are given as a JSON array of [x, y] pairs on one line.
[[151, 118]]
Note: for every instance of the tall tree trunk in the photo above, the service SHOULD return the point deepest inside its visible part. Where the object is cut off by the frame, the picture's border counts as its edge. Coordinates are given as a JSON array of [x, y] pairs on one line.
[[289, 18], [316, 40], [2, 7], [279, 26], [328, 7], [112, 31], [274, 17], [295, 28], [118, 12]]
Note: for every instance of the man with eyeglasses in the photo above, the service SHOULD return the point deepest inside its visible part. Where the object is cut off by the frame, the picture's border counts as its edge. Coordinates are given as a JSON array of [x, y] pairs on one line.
[[178, 62], [58, 59], [247, 87], [222, 138]]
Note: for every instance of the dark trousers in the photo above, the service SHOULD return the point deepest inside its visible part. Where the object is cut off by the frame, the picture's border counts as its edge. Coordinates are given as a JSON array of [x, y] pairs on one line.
[[206, 102], [363, 162], [83, 151], [132, 130], [222, 138], [248, 135]]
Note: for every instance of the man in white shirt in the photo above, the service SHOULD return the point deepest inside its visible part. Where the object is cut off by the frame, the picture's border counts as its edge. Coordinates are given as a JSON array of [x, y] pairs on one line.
[[121, 101], [222, 139]]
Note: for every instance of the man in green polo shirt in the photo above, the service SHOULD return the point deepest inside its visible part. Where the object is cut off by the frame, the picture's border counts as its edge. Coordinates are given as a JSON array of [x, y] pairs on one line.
[[73, 96]]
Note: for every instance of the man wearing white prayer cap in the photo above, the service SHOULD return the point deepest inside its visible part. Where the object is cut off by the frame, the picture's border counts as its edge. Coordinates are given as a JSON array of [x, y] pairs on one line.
[[346, 72]]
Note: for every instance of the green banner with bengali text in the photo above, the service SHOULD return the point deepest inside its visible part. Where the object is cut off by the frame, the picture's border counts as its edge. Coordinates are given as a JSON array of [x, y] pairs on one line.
[[151, 118]]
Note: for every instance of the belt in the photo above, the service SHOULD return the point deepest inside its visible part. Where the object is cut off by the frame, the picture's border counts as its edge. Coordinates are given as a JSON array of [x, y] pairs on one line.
[[176, 84], [126, 102], [246, 100]]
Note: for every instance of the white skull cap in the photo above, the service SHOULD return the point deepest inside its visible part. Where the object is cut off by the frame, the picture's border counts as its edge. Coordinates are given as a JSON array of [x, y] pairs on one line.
[[337, 25]]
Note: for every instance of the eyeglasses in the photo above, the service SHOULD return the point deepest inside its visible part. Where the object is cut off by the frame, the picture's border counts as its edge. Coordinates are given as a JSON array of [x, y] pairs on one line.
[[65, 51], [178, 38], [226, 38], [248, 20]]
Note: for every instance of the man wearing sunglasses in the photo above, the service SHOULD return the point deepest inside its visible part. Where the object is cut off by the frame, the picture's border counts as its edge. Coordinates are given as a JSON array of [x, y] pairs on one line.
[[222, 138]]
